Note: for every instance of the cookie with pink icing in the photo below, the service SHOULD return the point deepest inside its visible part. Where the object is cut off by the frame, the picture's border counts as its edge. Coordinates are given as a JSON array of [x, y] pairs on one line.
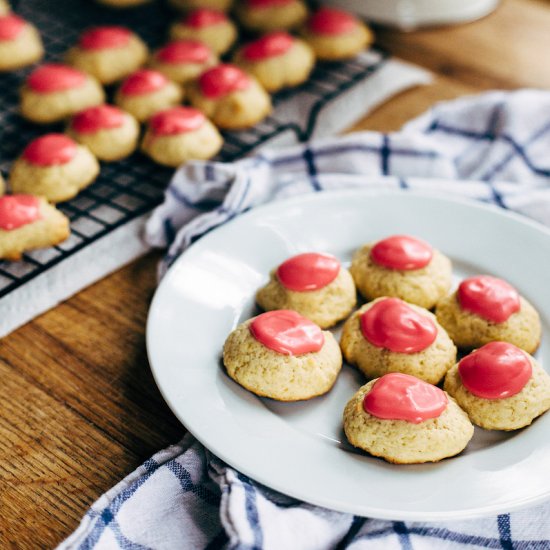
[[271, 15], [20, 43]]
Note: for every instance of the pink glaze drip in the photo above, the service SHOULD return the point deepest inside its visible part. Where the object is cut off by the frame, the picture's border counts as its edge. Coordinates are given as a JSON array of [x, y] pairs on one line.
[[104, 38], [94, 119], [491, 298], [397, 396], [54, 77], [495, 371], [223, 80], [330, 21], [143, 82], [184, 51], [201, 18], [306, 272], [18, 210], [177, 120], [287, 332], [392, 324], [11, 26], [268, 3], [401, 252], [50, 149], [270, 45]]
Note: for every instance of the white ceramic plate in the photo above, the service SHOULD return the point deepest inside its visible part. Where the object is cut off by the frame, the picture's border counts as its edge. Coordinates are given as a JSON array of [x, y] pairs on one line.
[[299, 449]]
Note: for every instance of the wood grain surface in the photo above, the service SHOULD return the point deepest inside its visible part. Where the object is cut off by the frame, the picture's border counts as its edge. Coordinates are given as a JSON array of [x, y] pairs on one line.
[[79, 407]]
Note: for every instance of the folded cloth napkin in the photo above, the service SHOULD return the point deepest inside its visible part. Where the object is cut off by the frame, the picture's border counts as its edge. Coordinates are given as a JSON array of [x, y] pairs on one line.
[[493, 147]]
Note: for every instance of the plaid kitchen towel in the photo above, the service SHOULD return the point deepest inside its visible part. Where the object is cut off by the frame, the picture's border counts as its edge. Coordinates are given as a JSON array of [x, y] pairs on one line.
[[493, 147]]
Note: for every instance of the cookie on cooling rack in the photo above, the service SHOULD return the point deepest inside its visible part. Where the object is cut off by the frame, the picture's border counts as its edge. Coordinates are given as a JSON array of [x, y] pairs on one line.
[[485, 309], [180, 134], [282, 355], [28, 222], [183, 60], [500, 386], [55, 167], [211, 27], [278, 60], [147, 92], [54, 92], [109, 132], [404, 420], [404, 267], [389, 335], [230, 97], [271, 15], [187, 5], [314, 285], [20, 43], [109, 53], [336, 35]]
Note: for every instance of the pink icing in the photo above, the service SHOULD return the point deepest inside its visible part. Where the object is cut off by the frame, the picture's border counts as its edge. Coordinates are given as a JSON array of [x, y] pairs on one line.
[[54, 77], [495, 371], [392, 324], [102, 117], [18, 210], [184, 51], [11, 27], [306, 272], [142, 82], [223, 80], [50, 149], [491, 298], [103, 38], [401, 252], [287, 332], [270, 45], [397, 396], [176, 121], [201, 18], [331, 21]]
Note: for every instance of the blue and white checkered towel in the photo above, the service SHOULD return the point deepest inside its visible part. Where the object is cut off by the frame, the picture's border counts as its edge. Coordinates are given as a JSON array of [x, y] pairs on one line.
[[494, 147]]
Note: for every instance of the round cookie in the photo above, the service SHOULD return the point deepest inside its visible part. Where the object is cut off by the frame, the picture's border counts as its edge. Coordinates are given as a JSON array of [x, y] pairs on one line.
[[406, 421], [20, 43], [271, 15], [122, 3], [336, 35], [28, 222], [109, 53], [231, 98], [53, 166], [147, 92], [54, 92], [211, 27], [180, 134], [277, 60], [4, 7], [183, 60], [403, 267], [500, 387], [485, 309], [187, 5], [282, 355], [109, 132], [314, 285], [389, 335]]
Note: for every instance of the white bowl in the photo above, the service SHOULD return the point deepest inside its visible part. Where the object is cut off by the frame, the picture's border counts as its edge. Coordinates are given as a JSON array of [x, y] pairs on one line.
[[410, 14]]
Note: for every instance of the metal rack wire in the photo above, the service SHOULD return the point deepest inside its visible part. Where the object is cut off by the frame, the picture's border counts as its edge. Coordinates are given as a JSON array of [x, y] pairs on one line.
[[130, 188]]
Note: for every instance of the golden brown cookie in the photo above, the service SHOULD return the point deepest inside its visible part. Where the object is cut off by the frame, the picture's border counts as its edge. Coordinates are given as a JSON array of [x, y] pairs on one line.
[[20, 43], [271, 15], [4, 7]]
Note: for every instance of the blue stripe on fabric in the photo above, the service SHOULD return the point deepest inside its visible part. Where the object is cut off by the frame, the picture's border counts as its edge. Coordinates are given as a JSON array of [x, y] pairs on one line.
[[123, 541], [357, 523], [309, 159], [403, 533], [203, 205], [505, 532], [169, 231], [184, 478], [251, 511], [385, 155], [403, 184]]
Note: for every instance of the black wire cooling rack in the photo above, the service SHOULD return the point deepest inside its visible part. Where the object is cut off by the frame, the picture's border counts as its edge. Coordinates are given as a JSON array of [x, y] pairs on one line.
[[130, 188]]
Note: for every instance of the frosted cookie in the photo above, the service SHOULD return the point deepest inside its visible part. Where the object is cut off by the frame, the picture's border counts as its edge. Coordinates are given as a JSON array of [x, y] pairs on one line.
[[271, 15], [314, 285], [500, 386], [53, 92], [28, 222], [108, 53], [122, 3], [109, 132], [404, 267], [335, 34], [485, 309], [211, 27], [406, 421], [231, 98], [20, 43], [183, 60], [277, 60], [389, 335], [282, 355], [180, 134], [53, 166], [187, 5], [147, 92]]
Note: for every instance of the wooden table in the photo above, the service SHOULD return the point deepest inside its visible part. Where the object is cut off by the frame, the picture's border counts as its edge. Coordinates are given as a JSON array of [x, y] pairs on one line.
[[79, 407]]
